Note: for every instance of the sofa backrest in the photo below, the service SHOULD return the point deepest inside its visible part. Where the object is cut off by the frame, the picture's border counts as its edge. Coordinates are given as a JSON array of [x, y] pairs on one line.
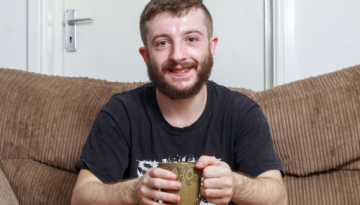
[[48, 118], [315, 122]]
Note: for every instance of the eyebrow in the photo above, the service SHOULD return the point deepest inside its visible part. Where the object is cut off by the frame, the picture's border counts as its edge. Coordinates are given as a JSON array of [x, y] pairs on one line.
[[194, 31], [186, 33], [159, 35]]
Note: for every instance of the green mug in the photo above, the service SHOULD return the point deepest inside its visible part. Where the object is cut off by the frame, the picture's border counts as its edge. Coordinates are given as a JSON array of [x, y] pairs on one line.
[[190, 179]]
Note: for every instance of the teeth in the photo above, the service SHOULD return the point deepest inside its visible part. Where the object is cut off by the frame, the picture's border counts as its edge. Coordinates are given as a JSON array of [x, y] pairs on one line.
[[181, 71]]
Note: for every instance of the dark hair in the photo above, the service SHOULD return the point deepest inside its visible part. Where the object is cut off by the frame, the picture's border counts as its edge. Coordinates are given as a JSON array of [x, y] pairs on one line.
[[177, 8]]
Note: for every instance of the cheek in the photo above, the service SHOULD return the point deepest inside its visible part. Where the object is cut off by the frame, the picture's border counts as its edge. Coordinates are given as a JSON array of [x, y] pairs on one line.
[[197, 53], [160, 57]]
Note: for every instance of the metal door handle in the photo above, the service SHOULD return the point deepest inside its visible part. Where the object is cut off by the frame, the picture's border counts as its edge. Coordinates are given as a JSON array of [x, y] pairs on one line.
[[70, 34], [73, 21]]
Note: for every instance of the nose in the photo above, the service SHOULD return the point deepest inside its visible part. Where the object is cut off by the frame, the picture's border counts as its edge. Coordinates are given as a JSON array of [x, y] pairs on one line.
[[178, 52]]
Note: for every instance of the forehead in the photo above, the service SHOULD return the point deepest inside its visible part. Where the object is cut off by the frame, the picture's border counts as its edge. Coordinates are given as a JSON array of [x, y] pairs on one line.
[[167, 23]]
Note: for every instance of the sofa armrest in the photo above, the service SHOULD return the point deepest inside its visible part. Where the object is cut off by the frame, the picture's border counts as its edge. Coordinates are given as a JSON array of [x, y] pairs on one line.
[[7, 195]]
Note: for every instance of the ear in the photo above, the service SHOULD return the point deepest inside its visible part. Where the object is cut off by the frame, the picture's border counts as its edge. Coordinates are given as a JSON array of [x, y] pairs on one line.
[[144, 53], [212, 43]]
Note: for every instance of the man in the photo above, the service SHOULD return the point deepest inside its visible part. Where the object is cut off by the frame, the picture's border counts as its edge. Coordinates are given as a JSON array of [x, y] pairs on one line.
[[180, 116]]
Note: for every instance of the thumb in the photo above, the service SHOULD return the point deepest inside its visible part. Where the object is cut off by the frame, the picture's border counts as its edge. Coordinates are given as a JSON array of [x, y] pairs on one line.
[[205, 161]]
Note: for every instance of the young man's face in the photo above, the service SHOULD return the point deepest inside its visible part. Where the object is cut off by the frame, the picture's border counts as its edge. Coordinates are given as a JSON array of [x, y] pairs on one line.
[[179, 54]]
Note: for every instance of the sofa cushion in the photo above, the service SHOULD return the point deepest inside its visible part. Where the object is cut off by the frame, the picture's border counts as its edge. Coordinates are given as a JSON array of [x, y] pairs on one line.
[[37, 183], [315, 122], [330, 188], [7, 196]]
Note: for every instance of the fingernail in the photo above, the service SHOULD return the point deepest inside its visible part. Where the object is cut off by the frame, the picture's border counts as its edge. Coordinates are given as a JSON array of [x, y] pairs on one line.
[[177, 184], [199, 163], [173, 176], [176, 198]]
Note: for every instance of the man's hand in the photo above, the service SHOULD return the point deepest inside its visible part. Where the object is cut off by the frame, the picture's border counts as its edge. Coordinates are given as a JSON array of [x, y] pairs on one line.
[[218, 184], [147, 189], [221, 185]]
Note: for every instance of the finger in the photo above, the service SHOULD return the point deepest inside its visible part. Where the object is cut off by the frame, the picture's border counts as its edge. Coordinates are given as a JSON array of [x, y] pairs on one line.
[[159, 183], [159, 195], [162, 173], [212, 183], [149, 201], [207, 161], [216, 183], [211, 193], [218, 200], [217, 171]]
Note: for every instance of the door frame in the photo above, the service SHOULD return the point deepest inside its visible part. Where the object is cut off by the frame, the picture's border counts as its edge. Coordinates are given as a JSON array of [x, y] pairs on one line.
[[45, 36], [279, 42], [284, 42], [46, 39]]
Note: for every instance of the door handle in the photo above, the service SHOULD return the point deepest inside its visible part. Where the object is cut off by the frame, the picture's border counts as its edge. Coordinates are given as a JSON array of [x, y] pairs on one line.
[[70, 27], [73, 21]]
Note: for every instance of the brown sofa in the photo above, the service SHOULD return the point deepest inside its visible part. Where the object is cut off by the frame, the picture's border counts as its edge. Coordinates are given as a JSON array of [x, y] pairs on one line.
[[44, 122]]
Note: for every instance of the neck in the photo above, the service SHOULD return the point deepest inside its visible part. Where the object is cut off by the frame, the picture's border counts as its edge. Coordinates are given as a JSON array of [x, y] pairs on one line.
[[182, 113]]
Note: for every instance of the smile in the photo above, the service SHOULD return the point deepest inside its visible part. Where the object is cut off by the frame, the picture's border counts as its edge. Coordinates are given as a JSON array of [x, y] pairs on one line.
[[180, 70]]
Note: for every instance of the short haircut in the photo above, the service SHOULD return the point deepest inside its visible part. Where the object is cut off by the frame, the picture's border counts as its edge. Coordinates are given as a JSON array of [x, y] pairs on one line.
[[178, 8]]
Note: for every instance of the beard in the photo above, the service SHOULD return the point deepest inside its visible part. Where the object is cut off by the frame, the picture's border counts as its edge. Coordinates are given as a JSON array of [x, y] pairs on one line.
[[157, 77]]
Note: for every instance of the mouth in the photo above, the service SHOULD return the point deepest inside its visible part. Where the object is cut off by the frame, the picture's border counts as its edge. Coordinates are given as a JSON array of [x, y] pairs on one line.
[[184, 70]]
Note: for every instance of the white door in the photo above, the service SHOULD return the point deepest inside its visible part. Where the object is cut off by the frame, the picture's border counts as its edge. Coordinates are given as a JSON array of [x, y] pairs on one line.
[[108, 47]]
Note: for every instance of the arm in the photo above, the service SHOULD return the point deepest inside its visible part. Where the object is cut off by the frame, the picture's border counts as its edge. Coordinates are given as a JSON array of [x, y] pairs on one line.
[[269, 186], [143, 190], [221, 185], [90, 190]]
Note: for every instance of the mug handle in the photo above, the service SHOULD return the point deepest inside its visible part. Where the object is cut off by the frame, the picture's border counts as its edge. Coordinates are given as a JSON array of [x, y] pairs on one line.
[[198, 200]]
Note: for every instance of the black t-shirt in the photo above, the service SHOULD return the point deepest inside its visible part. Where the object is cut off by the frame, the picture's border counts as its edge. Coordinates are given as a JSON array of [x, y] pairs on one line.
[[130, 135]]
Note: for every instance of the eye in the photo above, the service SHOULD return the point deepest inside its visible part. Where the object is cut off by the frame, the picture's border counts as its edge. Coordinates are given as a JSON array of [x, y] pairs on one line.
[[191, 39], [162, 43]]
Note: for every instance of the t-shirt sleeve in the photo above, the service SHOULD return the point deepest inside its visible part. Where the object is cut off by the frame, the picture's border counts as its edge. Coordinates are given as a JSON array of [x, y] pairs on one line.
[[254, 148], [106, 152]]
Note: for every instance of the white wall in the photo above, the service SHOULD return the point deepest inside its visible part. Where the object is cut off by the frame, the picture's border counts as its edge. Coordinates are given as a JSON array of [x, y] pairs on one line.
[[327, 36], [239, 57], [13, 34]]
